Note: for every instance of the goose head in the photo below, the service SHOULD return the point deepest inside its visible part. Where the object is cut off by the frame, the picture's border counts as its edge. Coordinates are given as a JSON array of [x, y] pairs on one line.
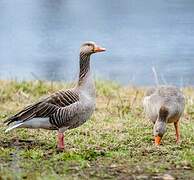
[[160, 125], [159, 131], [90, 47]]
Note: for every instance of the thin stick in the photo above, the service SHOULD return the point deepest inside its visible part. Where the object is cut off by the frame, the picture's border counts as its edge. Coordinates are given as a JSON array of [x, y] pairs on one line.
[[155, 75]]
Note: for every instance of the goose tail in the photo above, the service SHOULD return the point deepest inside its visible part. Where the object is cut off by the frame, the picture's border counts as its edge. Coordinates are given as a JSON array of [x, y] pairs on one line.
[[14, 126]]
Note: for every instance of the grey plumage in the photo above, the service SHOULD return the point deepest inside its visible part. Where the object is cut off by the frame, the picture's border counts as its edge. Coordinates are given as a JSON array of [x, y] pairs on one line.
[[47, 106], [64, 109], [164, 104], [169, 97]]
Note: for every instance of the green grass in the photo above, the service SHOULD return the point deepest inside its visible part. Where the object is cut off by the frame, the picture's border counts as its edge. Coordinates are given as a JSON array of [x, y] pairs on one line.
[[116, 143]]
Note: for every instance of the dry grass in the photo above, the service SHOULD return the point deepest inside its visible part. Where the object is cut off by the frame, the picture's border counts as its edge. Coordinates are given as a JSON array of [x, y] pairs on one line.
[[116, 143]]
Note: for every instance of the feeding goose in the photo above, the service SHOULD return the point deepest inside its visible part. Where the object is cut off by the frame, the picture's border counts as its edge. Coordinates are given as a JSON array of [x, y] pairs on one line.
[[164, 104], [65, 109]]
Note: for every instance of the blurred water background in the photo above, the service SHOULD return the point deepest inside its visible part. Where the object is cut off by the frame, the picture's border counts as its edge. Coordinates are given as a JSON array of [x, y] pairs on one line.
[[40, 39]]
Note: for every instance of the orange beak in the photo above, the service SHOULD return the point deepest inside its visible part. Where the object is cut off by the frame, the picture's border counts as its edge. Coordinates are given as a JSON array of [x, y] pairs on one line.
[[157, 140], [99, 49]]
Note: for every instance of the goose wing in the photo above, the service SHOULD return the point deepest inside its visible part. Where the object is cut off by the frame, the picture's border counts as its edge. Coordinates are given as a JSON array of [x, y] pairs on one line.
[[46, 107]]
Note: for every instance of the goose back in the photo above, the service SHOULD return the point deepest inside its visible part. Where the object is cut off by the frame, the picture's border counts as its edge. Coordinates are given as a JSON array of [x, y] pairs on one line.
[[169, 97]]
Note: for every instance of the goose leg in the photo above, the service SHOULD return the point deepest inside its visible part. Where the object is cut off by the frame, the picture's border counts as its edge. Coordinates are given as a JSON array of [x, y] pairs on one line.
[[176, 125], [60, 143]]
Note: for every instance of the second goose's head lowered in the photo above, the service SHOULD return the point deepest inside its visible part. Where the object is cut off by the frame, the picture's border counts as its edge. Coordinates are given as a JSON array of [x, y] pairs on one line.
[[90, 47], [160, 125]]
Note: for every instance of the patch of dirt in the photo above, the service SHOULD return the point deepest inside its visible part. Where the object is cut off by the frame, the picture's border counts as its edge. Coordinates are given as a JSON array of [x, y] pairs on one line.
[[21, 143]]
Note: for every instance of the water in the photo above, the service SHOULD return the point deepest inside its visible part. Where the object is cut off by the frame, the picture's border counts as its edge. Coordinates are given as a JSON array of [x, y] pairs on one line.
[[41, 39]]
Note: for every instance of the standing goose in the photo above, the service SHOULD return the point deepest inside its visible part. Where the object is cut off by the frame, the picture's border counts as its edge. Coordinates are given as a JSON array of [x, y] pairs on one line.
[[65, 109], [164, 104]]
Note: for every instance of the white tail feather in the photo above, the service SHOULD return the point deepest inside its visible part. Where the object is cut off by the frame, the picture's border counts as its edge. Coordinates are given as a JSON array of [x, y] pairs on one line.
[[13, 127], [32, 123]]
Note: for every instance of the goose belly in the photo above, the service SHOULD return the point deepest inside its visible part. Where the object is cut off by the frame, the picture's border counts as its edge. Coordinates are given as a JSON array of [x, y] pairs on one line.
[[175, 113], [81, 117], [174, 118]]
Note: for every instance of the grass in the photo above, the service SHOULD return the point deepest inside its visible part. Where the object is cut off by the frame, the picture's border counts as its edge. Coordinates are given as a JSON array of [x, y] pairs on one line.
[[116, 143]]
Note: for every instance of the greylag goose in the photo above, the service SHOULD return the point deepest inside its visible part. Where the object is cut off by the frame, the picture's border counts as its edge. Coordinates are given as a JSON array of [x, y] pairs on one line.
[[65, 109], [164, 104]]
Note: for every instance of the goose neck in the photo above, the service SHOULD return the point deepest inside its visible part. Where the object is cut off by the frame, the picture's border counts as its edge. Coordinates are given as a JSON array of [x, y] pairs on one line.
[[84, 73]]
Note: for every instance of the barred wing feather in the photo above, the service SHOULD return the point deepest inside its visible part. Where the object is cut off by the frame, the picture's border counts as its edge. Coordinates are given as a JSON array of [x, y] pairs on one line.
[[46, 107]]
